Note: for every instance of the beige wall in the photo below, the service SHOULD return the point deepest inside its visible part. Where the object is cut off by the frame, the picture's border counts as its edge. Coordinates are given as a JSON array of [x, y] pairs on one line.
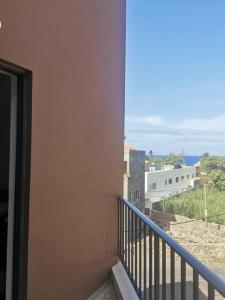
[[75, 49]]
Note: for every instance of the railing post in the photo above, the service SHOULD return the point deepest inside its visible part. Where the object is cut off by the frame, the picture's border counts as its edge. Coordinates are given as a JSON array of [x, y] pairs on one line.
[[119, 228], [145, 262], [164, 270], [125, 235], [128, 233], [211, 292], [156, 268], [183, 279], [122, 244], [136, 283], [150, 264], [132, 245], [140, 258], [172, 273], [195, 285]]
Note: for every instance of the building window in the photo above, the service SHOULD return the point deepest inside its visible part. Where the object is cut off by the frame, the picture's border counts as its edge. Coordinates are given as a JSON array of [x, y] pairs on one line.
[[135, 196], [170, 181], [188, 176], [193, 175], [182, 178], [166, 182], [153, 186], [177, 179]]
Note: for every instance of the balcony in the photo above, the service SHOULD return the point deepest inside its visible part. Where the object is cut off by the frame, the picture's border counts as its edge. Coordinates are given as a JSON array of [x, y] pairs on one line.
[[157, 266]]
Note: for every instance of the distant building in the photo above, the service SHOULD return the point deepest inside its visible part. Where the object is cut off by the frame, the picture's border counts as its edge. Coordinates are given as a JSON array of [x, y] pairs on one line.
[[165, 183], [134, 176]]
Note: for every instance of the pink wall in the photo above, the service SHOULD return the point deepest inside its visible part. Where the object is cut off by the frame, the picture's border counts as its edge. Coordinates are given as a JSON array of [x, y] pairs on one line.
[[75, 49]]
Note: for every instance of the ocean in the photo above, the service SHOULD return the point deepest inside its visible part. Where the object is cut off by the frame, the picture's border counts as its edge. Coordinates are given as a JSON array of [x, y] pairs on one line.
[[190, 160]]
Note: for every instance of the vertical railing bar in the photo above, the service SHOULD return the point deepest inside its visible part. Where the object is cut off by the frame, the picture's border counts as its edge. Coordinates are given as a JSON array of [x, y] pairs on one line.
[[122, 229], [183, 279], [172, 273], [136, 250], [150, 264], [132, 245], [211, 292], [195, 285], [163, 270], [126, 208], [118, 241], [156, 266], [136, 283], [145, 273], [140, 258], [118, 237], [128, 235]]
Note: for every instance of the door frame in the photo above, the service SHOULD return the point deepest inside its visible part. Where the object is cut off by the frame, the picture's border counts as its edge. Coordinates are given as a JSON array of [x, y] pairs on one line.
[[22, 177]]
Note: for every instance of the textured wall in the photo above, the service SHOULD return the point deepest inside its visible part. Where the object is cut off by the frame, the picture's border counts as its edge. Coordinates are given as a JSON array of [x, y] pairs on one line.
[[75, 49]]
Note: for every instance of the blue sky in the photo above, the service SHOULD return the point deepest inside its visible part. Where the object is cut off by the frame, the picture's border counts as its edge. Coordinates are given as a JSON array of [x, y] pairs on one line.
[[175, 76]]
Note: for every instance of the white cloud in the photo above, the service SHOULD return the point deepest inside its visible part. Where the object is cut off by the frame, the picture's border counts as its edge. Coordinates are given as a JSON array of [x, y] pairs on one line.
[[149, 120], [216, 124], [194, 135]]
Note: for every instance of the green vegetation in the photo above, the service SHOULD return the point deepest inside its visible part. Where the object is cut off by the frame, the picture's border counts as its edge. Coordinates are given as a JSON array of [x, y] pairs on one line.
[[171, 159], [210, 163], [216, 180], [215, 166], [192, 204]]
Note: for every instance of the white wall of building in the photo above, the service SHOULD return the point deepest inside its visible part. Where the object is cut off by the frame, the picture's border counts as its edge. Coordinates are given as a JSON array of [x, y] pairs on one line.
[[166, 183]]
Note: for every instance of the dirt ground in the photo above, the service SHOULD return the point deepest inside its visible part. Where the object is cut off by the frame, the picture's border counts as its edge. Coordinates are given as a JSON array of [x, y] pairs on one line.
[[205, 241]]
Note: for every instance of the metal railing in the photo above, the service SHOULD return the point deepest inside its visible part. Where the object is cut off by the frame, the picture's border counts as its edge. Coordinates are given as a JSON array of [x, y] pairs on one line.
[[152, 260]]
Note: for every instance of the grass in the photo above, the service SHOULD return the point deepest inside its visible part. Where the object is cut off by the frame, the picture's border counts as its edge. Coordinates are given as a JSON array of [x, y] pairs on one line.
[[192, 205]]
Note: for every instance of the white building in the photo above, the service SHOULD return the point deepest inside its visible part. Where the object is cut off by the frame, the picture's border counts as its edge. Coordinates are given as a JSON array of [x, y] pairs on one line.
[[165, 183]]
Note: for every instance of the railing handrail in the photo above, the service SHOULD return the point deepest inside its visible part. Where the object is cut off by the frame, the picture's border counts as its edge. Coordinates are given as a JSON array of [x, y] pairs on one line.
[[202, 269]]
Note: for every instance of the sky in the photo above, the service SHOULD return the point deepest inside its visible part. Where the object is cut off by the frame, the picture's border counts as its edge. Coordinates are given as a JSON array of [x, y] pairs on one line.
[[175, 76]]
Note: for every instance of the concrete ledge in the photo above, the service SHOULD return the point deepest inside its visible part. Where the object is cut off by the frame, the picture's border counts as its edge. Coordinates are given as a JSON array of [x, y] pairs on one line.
[[105, 292], [122, 284]]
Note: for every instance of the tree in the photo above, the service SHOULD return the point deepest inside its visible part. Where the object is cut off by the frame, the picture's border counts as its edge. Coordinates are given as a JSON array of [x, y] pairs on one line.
[[205, 156], [175, 159], [213, 163], [216, 179]]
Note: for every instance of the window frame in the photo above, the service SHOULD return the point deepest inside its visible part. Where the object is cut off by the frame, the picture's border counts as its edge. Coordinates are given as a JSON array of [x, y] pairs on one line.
[[22, 177]]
